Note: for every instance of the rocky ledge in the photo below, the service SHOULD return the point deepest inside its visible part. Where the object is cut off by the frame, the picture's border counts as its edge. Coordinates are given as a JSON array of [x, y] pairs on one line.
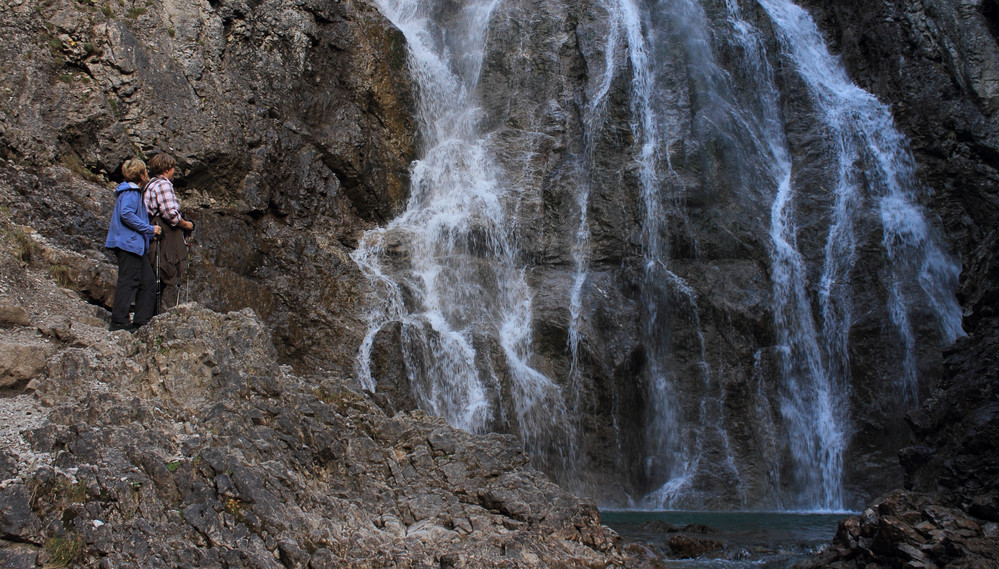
[[188, 445], [912, 530]]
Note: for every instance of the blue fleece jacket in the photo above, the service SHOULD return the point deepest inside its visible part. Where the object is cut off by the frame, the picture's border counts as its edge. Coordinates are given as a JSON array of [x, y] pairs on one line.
[[130, 229]]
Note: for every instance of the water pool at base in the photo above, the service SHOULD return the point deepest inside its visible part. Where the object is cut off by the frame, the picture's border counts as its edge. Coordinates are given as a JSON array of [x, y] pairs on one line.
[[750, 539]]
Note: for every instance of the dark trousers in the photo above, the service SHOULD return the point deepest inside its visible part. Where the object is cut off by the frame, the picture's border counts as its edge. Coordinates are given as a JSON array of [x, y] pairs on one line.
[[135, 280], [171, 250]]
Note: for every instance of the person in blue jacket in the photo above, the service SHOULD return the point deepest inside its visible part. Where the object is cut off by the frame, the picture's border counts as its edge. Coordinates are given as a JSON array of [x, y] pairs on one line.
[[128, 236]]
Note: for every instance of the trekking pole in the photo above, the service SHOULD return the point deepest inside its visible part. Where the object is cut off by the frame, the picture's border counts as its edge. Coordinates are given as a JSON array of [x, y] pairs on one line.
[[188, 243], [156, 269], [187, 275]]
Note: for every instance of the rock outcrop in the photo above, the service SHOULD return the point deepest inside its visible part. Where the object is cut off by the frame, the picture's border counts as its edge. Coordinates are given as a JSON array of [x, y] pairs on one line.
[[290, 120], [188, 445], [906, 529]]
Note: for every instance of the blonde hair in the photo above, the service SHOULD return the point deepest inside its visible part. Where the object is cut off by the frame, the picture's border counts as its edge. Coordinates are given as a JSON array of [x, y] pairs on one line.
[[133, 169]]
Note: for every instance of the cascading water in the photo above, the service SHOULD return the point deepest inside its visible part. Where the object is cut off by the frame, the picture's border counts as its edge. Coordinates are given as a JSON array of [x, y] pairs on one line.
[[445, 271], [874, 169], [701, 109]]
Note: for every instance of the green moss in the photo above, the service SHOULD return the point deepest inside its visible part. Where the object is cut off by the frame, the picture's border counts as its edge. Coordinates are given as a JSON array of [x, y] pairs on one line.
[[25, 248], [75, 164], [338, 398], [72, 492]]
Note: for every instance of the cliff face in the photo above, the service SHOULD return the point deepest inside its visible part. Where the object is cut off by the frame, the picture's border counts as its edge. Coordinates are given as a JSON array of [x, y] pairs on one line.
[[664, 310], [290, 122], [938, 64], [294, 125]]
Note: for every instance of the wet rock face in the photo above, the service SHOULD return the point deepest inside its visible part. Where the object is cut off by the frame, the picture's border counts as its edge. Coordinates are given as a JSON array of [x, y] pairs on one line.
[[550, 60], [936, 63], [956, 451], [290, 122]]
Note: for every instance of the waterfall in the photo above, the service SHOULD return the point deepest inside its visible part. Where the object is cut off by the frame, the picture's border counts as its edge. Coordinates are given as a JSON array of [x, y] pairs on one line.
[[873, 166], [694, 85], [445, 271]]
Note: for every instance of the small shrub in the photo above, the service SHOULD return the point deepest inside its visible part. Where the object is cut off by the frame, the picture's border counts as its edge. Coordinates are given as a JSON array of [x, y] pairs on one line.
[[55, 45], [64, 551], [92, 50], [62, 275], [107, 11], [75, 165]]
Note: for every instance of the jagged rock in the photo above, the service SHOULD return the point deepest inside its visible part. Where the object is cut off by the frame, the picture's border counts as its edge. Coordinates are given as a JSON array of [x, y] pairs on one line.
[[13, 315], [17, 520], [687, 547], [187, 443], [906, 529], [21, 360]]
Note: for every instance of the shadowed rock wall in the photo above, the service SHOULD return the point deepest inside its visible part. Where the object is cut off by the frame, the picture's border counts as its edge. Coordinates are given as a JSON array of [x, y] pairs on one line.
[[290, 122]]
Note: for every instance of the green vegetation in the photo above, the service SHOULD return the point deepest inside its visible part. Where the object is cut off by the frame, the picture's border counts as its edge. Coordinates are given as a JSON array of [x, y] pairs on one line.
[[62, 274], [75, 165], [24, 247], [92, 50], [173, 466], [107, 11], [64, 551], [339, 398], [113, 103], [71, 492]]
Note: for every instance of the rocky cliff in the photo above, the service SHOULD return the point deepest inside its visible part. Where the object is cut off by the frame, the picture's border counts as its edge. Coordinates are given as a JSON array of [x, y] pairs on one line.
[[294, 126], [290, 121], [187, 445], [190, 445]]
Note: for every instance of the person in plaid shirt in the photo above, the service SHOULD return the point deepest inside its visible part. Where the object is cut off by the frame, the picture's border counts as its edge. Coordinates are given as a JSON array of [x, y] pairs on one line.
[[164, 210]]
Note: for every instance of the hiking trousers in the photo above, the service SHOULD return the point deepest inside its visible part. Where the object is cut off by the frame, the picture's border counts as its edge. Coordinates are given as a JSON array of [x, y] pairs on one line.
[[136, 280], [172, 252]]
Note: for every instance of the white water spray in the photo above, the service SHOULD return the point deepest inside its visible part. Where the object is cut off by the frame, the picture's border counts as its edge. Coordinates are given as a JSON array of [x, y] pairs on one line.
[[445, 271]]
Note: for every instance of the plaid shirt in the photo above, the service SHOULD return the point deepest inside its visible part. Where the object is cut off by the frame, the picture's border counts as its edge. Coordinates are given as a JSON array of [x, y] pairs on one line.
[[160, 200]]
